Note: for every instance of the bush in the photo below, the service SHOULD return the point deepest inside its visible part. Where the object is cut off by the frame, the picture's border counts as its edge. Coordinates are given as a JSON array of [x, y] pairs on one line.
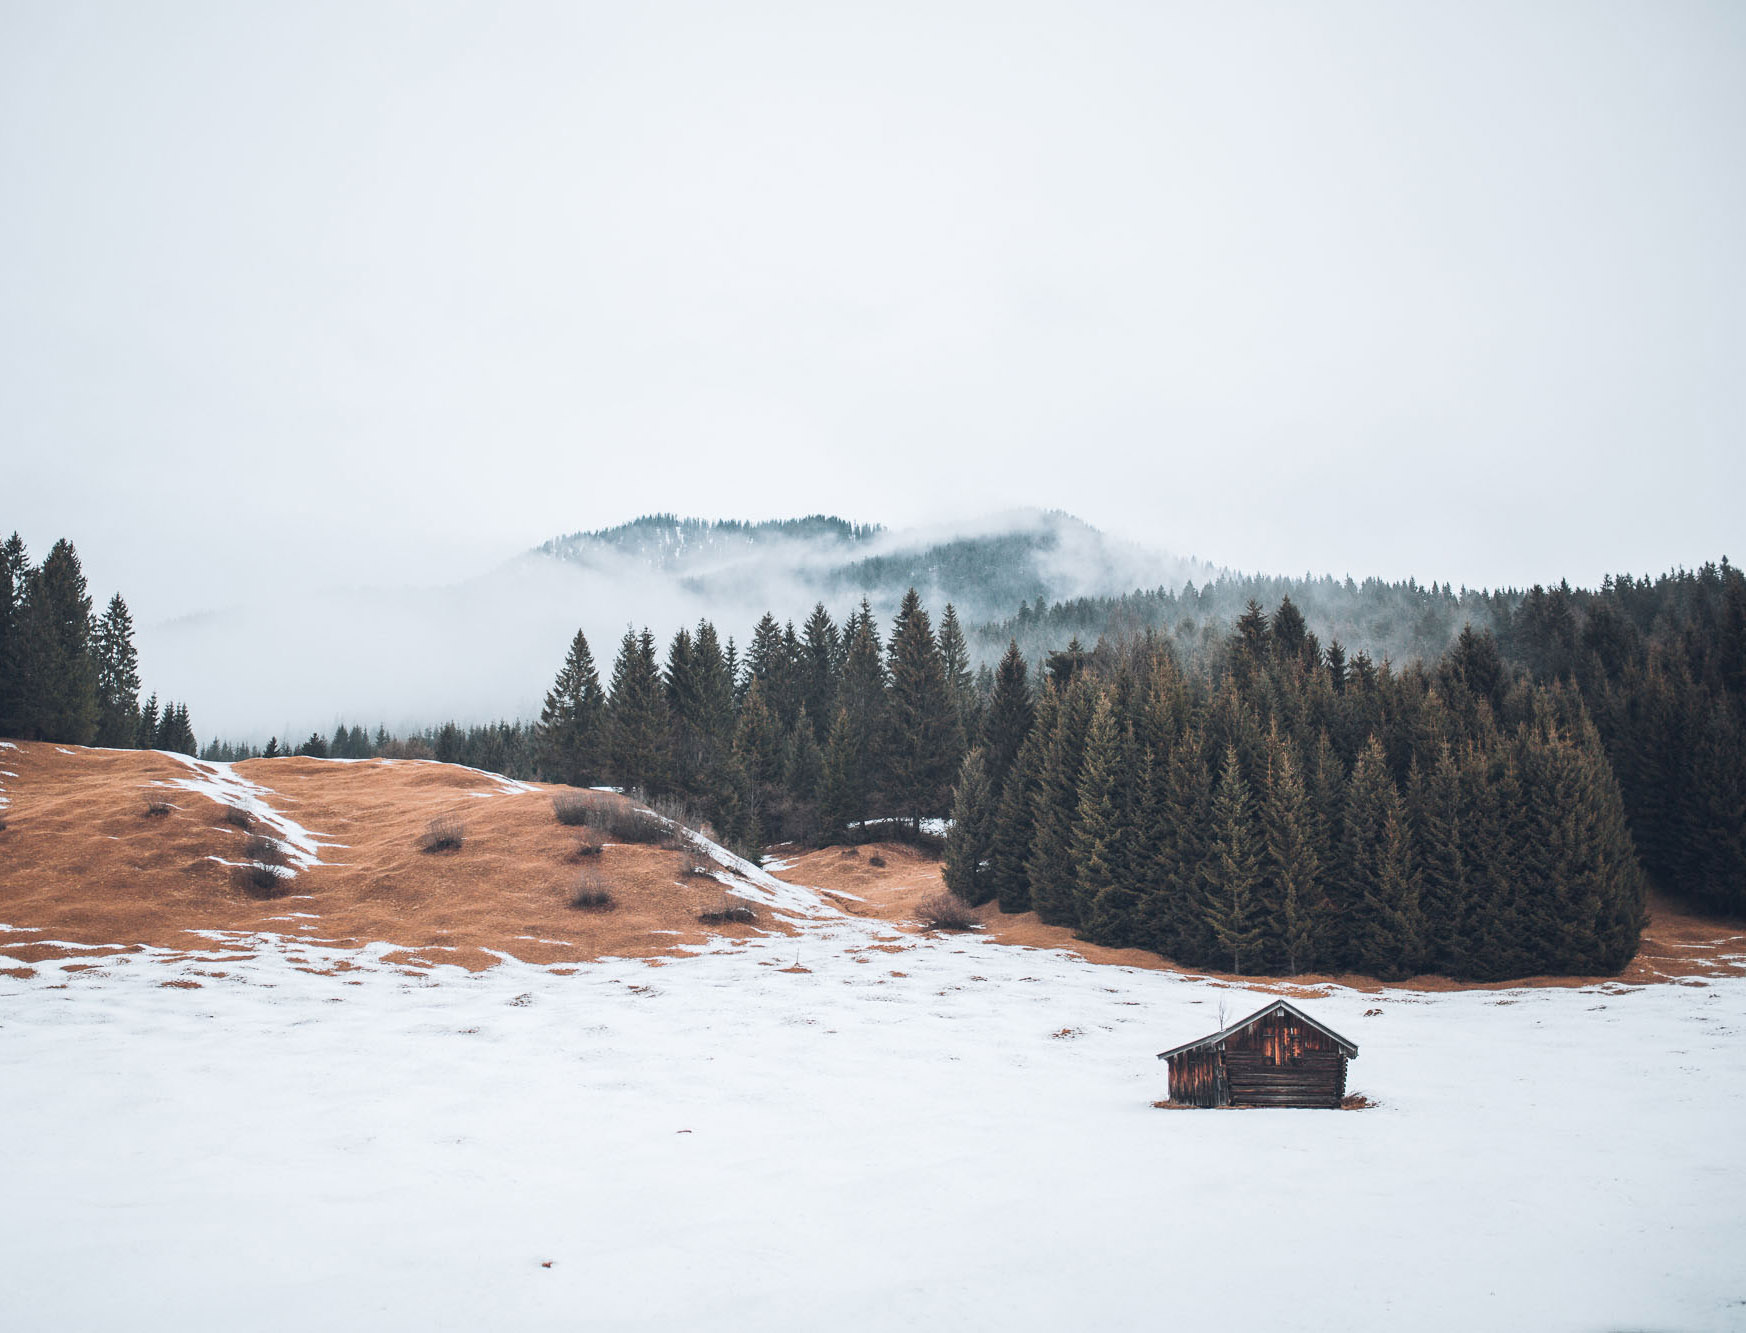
[[947, 911], [264, 851], [573, 808], [735, 910], [241, 818], [259, 880], [876, 861], [443, 835], [616, 818], [585, 849], [157, 809], [591, 894]]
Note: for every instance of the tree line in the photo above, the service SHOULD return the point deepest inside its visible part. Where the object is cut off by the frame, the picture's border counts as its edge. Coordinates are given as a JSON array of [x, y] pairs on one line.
[[1277, 808], [66, 675]]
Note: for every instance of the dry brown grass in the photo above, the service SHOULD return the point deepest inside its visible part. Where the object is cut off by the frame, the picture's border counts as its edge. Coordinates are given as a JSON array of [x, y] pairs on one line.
[[75, 821]]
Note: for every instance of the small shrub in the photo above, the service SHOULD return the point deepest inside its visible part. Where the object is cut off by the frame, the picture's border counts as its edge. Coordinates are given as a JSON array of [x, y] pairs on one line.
[[700, 870], [264, 851], [853, 853], [1356, 1101], [585, 849], [947, 911], [158, 809], [241, 818], [258, 879], [732, 910], [2, 823], [573, 808], [876, 861], [443, 835], [591, 893]]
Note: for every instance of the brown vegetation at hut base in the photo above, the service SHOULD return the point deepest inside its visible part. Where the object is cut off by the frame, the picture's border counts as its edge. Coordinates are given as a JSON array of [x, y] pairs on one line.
[[79, 864]]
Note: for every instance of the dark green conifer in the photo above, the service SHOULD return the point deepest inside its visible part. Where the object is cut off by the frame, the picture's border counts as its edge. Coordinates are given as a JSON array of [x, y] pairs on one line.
[[638, 736], [924, 740], [970, 840], [117, 677], [572, 723], [1233, 870]]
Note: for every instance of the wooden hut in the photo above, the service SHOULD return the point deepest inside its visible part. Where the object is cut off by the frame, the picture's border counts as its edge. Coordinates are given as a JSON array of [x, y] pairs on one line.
[[1277, 1056]]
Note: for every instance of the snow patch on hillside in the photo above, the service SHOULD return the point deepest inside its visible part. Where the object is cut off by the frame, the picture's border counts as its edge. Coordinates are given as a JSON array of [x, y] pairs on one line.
[[223, 785]]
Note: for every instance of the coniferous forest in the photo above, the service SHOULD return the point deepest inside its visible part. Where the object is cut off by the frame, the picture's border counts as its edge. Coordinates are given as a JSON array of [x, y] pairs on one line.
[[69, 676], [1248, 798]]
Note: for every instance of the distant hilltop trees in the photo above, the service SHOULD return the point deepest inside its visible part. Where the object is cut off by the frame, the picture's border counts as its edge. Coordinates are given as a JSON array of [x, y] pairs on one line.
[[67, 676]]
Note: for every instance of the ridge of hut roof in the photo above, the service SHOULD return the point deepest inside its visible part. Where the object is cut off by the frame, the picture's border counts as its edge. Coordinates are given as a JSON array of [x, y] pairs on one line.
[[1350, 1048]]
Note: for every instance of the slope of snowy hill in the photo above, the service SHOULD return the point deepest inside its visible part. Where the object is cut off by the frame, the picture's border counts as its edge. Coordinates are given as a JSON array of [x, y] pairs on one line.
[[843, 1123]]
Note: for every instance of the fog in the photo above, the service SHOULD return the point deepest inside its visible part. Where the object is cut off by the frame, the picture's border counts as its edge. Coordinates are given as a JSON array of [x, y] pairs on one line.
[[292, 661], [312, 317]]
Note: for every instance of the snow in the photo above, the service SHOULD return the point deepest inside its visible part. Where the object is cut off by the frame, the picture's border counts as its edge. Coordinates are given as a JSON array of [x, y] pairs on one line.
[[715, 1142], [224, 785]]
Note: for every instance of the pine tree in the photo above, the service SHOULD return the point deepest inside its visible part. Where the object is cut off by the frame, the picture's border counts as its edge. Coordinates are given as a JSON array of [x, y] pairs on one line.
[[970, 840], [1107, 900], [804, 762], [1054, 883], [1434, 798], [844, 798], [1015, 812], [117, 677], [1381, 930], [1233, 872], [925, 741], [638, 738], [960, 685], [14, 570], [572, 723], [1008, 720], [1174, 915], [57, 673], [1292, 867], [821, 658]]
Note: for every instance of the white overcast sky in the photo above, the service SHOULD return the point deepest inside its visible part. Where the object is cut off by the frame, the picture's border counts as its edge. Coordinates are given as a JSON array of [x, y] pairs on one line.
[[375, 292]]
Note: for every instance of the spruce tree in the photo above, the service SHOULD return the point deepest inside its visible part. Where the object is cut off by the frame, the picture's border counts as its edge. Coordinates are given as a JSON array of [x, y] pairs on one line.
[[960, 685], [925, 740], [1016, 812], [638, 739], [117, 677], [970, 840], [1233, 871], [1008, 720], [14, 569], [572, 723], [803, 764], [821, 663], [1292, 866], [1054, 881], [1106, 898], [57, 672]]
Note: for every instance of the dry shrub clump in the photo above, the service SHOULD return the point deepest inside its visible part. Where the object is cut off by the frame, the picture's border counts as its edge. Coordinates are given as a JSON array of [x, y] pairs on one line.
[[443, 835], [267, 851], [731, 910], [1356, 1101], [238, 816], [947, 911], [614, 819], [572, 808], [591, 893], [876, 861], [157, 809], [262, 875]]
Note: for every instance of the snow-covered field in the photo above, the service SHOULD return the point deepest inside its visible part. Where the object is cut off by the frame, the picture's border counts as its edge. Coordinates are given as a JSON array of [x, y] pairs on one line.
[[717, 1143]]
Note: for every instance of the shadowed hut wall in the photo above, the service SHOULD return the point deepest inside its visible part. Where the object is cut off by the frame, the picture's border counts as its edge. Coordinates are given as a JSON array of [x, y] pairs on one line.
[[1196, 1078]]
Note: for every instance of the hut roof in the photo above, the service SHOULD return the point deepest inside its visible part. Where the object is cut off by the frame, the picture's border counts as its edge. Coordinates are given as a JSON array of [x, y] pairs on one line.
[[1347, 1048]]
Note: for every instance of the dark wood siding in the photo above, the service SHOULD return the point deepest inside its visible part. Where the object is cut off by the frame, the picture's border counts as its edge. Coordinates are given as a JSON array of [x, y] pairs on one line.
[[1197, 1078], [1275, 1061]]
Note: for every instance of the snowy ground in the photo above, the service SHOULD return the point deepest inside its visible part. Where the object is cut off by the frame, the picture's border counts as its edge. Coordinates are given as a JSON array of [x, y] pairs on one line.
[[715, 1143]]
